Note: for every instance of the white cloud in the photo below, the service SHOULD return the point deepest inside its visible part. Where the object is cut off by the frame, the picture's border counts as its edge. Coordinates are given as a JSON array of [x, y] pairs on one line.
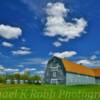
[[97, 52], [9, 32], [1, 67], [21, 52], [93, 57], [44, 62], [96, 63], [35, 61], [65, 54], [24, 48], [57, 26], [40, 72], [11, 70], [89, 63], [84, 62], [29, 69], [21, 65], [7, 44], [57, 44]]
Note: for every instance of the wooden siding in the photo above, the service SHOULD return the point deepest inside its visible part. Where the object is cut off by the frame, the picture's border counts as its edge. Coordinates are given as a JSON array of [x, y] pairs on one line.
[[61, 71], [55, 66], [77, 79]]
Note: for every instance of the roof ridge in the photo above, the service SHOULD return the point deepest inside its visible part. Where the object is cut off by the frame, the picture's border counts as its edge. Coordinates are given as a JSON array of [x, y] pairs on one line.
[[77, 68]]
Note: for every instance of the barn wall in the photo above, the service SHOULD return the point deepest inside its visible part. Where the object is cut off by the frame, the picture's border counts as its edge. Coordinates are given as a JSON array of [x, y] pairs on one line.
[[97, 80], [56, 67], [55, 70], [74, 79]]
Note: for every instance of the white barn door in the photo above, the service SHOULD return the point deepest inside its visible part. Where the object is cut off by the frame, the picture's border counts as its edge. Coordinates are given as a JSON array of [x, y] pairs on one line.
[[54, 81]]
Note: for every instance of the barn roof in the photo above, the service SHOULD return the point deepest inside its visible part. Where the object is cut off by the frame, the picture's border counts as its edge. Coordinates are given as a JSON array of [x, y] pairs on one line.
[[80, 69]]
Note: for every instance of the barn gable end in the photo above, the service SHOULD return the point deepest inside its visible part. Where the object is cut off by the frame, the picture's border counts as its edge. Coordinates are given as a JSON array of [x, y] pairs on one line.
[[61, 71], [54, 72]]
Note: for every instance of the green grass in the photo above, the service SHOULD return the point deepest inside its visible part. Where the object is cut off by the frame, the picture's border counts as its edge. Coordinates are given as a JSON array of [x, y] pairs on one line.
[[49, 92]]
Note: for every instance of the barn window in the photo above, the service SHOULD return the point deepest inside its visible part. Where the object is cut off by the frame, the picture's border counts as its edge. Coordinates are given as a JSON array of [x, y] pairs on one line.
[[54, 67], [54, 74]]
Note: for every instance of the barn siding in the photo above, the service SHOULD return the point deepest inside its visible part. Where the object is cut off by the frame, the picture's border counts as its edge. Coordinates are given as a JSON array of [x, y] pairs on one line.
[[74, 79], [97, 80], [55, 66]]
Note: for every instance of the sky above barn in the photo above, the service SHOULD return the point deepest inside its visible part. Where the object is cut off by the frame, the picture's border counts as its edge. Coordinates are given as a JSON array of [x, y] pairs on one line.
[[32, 31]]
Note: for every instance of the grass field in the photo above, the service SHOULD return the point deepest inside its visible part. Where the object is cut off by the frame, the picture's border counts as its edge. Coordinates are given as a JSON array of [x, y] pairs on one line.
[[49, 92]]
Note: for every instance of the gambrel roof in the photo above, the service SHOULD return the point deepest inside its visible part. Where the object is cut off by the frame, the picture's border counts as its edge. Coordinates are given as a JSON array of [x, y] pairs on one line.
[[80, 69]]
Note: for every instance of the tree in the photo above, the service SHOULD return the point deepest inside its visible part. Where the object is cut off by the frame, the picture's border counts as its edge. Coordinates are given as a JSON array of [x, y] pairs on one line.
[[2, 76], [24, 77], [17, 76], [36, 79], [1, 68], [2, 79], [10, 77]]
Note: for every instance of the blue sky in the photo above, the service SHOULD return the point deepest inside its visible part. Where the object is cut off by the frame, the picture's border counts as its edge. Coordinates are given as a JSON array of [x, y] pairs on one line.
[[32, 31]]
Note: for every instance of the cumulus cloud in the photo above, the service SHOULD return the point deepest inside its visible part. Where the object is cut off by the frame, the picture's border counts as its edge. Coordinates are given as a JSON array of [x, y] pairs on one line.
[[39, 72], [29, 69], [89, 63], [21, 52], [7, 44], [93, 57], [57, 44], [24, 48], [21, 65], [57, 26], [35, 61], [84, 62], [97, 52], [65, 54], [9, 32], [1, 67], [44, 62], [11, 70]]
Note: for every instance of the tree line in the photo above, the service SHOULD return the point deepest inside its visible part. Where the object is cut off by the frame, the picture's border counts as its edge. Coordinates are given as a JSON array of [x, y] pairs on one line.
[[17, 78]]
